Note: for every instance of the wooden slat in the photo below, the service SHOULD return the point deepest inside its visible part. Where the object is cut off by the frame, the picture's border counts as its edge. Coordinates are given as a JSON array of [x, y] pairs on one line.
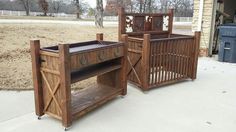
[[183, 58], [50, 71], [99, 94], [169, 60], [146, 14], [156, 48], [135, 51], [47, 53], [147, 32], [165, 58], [160, 62], [172, 60], [176, 60]]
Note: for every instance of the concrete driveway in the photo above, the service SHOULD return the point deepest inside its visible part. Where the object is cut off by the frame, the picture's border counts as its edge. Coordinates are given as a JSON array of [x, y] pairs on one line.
[[207, 104], [82, 23]]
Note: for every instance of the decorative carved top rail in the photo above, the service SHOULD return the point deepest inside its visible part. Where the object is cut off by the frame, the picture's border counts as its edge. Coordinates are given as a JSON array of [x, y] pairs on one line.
[[139, 23]]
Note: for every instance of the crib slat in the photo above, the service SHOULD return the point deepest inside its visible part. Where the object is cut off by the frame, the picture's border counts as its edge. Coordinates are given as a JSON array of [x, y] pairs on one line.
[[161, 61], [172, 60], [165, 59], [184, 59], [157, 45], [175, 59], [155, 63], [152, 58], [187, 58], [169, 60], [158, 63], [181, 58]]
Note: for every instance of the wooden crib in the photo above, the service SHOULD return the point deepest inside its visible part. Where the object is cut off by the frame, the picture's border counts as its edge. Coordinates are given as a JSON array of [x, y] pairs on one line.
[[156, 56]]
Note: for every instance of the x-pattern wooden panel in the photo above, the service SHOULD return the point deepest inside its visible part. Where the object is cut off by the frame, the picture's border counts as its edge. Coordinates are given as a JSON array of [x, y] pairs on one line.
[[133, 68], [52, 93]]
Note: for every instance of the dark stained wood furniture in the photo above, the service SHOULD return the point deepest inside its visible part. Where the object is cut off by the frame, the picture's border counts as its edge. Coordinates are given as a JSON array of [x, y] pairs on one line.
[[156, 56], [56, 68]]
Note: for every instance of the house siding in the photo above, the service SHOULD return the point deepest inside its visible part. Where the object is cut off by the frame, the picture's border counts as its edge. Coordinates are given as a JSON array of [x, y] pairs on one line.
[[206, 24]]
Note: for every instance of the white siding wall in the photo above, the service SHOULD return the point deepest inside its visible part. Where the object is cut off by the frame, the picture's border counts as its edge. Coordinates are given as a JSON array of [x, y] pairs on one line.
[[206, 24]]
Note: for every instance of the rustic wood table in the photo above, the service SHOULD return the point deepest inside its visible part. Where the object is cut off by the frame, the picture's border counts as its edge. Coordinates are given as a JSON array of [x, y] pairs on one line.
[[56, 68]]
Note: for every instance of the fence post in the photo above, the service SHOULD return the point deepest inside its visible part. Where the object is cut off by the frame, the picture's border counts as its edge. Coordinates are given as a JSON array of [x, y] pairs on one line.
[[37, 81], [145, 62], [99, 36], [197, 36], [64, 58], [121, 28], [124, 64], [170, 24]]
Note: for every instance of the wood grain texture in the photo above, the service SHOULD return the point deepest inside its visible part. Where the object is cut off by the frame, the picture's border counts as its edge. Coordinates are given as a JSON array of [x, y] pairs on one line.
[[65, 77], [163, 61], [56, 68], [37, 82], [196, 53], [145, 61], [156, 57], [124, 63], [99, 36], [144, 23]]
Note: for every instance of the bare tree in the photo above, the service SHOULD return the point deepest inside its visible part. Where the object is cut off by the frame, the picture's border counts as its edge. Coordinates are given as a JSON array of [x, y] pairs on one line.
[[44, 6], [149, 6], [99, 14], [26, 5], [140, 6], [56, 5]]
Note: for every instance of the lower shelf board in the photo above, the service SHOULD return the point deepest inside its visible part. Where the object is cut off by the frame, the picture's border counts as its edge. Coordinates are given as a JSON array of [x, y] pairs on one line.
[[86, 100]]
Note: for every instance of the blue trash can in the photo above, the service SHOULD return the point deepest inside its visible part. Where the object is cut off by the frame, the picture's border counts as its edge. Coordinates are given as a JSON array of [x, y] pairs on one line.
[[227, 49]]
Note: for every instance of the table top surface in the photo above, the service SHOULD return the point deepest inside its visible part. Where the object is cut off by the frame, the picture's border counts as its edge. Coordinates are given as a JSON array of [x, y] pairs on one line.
[[84, 46]]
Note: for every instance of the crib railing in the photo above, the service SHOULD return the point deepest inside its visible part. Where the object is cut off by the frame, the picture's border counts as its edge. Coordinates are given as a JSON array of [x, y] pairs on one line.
[[157, 62], [171, 60]]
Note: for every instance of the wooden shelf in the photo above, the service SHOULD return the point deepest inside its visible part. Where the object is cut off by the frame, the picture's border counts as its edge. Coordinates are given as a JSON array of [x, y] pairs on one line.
[[55, 68], [94, 70], [98, 95]]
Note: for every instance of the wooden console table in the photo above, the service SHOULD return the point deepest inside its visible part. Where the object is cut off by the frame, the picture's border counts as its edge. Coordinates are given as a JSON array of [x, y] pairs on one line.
[[56, 68]]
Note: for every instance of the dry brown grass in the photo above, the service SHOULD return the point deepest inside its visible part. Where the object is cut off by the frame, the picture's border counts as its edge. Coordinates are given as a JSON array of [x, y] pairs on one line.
[[15, 62]]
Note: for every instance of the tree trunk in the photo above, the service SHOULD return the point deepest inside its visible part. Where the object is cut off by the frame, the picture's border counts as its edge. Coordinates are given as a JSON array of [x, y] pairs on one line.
[[144, 6], [99, 14], [149, 6], [77, 3], [26, 6], [140, 6]]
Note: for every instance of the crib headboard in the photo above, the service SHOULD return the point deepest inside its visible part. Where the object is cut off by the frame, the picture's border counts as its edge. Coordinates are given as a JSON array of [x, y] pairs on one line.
[[140, 23]]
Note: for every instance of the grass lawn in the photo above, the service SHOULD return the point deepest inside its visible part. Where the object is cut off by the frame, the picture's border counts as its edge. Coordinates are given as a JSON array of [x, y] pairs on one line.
[[15, 61]]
